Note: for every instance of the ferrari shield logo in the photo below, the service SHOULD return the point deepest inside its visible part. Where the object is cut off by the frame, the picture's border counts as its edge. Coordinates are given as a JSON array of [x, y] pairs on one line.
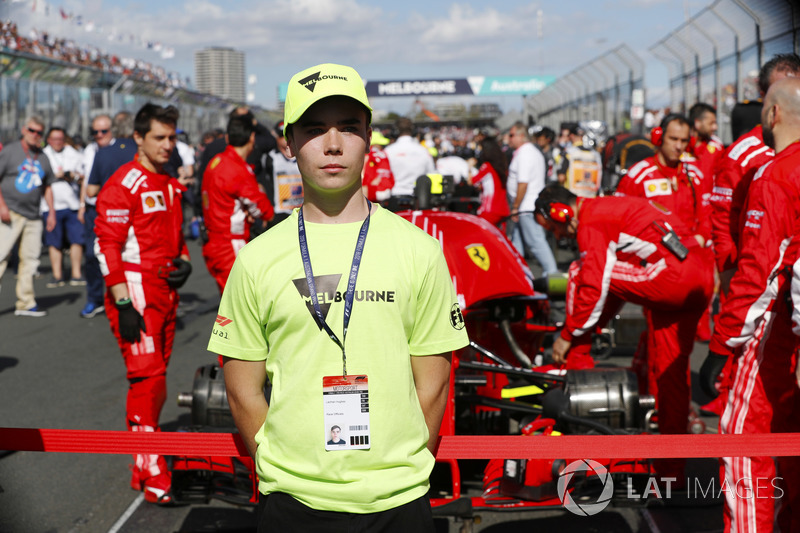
[[479, 255]]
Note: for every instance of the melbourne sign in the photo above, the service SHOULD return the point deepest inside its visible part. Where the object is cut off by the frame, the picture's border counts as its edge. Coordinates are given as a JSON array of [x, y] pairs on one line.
[[473, 85]]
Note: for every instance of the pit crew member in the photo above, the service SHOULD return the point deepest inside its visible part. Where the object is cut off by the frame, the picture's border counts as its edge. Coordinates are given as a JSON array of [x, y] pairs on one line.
[[754, 328], [144, 260], [632, 250], [231, 199], [735, 172], [664, 178], [378, 179], [705, 148]]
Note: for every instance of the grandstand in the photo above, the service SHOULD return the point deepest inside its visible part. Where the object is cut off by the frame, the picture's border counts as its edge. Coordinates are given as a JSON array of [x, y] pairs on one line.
[[68, 84]]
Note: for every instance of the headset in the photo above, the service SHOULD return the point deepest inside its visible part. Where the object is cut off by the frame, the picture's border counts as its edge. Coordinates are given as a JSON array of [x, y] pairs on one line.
[[657, 133], [560, 213]]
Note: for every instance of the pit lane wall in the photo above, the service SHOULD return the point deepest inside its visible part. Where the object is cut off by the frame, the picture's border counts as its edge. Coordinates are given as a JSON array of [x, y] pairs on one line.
[[70, 96], [713, 57]]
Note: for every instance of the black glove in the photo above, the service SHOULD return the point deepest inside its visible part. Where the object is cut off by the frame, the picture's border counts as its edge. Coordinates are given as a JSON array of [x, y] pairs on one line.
[[710, 371], [130, 321], [178, 277]]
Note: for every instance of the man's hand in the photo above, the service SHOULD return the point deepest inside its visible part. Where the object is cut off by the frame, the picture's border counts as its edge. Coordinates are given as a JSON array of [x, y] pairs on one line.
[[710, 371], [725, 278], [560, 348], [5, 214], [130, 322], [178, 277], [51, 220], [700, 240]]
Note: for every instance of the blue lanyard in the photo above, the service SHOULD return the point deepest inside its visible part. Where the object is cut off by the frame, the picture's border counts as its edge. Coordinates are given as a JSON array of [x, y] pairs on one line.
[[351, 283]]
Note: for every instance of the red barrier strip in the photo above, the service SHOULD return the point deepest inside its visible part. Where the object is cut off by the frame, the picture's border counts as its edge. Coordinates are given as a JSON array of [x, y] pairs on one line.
[[450, 447], [122, 442], [619, 446]]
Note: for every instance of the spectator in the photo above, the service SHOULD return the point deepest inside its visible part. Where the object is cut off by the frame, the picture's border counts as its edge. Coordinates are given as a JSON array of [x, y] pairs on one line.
[[287, 185], [545, 140], [25, 176], [491, 179], [525, 181], [66, 163], [104, 137], [452, 164], [581, 168], [305, 483], [408, 159], [42, 44]]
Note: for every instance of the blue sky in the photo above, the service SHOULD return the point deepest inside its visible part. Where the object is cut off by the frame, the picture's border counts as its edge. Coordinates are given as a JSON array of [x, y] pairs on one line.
[[401, 39]]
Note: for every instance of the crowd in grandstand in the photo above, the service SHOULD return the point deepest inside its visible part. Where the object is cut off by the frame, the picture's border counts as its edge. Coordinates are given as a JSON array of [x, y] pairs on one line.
[[41, 43]]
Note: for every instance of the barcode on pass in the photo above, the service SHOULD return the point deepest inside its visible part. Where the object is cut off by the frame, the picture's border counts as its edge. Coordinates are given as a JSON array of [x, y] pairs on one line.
[[359, 428]]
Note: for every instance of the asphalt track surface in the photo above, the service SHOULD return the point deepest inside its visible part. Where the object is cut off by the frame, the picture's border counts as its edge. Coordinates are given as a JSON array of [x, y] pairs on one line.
[[65, 372]]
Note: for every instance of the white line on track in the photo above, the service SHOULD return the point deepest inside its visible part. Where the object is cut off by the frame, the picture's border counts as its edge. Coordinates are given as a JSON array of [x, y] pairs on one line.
[[651, 523], [127, 514]]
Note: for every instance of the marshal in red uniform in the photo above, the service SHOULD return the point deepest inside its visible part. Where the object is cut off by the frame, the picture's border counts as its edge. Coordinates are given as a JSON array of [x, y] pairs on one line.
[[144, 259], [231, 199]]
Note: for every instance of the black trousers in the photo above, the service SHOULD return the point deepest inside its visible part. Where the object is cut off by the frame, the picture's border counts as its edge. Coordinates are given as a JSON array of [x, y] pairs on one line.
[[280, 513]]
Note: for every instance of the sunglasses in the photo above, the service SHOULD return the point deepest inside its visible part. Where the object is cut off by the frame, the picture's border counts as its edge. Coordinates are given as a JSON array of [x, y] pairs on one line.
[[95, 132], [35, 132]]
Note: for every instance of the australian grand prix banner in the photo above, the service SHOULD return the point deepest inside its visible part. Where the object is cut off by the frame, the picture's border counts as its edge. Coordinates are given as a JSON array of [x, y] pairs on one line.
[[470, 86], [473, 85]]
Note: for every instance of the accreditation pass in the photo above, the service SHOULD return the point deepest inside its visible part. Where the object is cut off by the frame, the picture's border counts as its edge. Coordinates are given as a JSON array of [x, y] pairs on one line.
[[346, 407]]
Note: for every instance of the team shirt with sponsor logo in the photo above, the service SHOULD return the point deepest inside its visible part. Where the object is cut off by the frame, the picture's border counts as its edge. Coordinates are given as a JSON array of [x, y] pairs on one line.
[[616, 236], [404, 305], [230, 195], [678, 189], [138, 222], [735, 171], [766, 248]]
